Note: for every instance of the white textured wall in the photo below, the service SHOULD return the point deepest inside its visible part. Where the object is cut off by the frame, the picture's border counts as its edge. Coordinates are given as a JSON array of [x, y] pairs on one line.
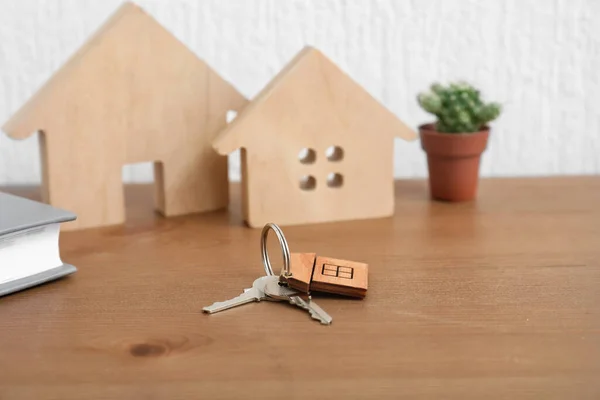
[[541, 58]]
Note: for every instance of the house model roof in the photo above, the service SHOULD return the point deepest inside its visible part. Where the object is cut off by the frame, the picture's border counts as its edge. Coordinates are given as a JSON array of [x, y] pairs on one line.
[[110, 51], [312, 79], [132, 93]]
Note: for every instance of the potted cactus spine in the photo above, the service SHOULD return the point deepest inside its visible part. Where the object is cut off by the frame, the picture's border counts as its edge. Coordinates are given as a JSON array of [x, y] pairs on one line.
[[455, 142]]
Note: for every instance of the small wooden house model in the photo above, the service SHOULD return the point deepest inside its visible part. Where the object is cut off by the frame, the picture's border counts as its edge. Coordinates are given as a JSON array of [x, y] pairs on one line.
[[316, 147], [133, 93]]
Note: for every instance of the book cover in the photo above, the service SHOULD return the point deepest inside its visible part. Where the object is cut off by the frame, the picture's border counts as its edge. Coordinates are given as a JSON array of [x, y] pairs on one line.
[[19, 220]]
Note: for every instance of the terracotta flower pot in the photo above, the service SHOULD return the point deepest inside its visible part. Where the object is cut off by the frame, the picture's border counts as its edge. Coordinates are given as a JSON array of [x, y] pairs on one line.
[[453, 162]]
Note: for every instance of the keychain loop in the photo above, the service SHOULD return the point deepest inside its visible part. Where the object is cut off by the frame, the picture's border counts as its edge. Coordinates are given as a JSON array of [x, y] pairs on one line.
[[284, 249]]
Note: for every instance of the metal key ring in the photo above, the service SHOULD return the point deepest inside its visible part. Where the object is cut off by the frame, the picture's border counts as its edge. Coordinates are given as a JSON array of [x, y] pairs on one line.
[[284, 249]]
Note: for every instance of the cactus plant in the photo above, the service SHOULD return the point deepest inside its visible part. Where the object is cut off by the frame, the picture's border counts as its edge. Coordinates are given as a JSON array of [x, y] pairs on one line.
[[458, 108]]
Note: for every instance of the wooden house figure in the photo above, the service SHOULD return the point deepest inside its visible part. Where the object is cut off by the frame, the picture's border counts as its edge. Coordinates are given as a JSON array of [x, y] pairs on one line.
[[316, 147], [133, 93]]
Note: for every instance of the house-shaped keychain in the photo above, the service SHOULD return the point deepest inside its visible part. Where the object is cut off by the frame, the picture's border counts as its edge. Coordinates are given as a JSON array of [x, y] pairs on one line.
[[316, 147], [133, 93]]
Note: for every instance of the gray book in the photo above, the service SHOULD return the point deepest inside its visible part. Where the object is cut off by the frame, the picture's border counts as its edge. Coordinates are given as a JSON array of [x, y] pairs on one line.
[[29, 243]]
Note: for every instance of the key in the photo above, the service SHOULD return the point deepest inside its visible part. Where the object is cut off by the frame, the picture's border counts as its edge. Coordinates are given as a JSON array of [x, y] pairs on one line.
[[313, 308], [267, 298], [312, 273], [255, 293], [280, 292]]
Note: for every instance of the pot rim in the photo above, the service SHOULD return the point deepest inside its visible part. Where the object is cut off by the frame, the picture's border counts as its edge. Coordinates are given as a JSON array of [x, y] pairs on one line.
[[429, 128]]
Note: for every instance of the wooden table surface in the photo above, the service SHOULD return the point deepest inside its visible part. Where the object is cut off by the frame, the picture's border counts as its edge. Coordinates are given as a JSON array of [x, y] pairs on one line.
[[499, 298]]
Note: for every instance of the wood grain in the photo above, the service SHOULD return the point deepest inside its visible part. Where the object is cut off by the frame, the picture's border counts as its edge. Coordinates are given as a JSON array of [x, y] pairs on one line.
[[133, 93], [312, 106], [301, 268], [343, 277], [495, 299]]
